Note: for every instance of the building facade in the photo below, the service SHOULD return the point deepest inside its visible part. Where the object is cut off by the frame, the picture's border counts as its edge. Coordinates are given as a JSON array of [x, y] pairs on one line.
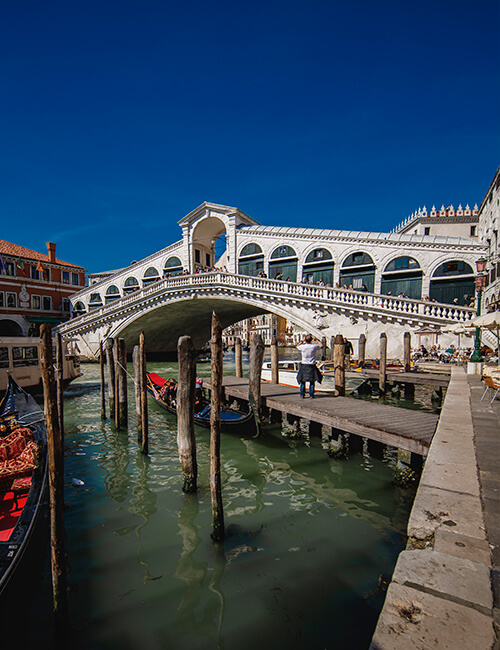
[[460, 222], [35, 288], [489, 223]]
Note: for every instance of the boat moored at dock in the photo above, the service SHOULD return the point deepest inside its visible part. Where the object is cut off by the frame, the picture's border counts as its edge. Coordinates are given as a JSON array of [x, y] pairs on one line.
[[20, 359], [23, 475]]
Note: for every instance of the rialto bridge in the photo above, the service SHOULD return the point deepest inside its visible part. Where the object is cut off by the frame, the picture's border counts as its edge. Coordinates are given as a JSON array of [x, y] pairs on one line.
[[326, 281]]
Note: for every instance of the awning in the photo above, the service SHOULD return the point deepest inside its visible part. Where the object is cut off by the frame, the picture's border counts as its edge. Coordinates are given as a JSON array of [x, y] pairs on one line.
[[42, 319]]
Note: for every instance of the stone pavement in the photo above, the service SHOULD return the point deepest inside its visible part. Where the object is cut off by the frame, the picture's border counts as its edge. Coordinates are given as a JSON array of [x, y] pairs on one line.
[[486, 421], [445, 588]]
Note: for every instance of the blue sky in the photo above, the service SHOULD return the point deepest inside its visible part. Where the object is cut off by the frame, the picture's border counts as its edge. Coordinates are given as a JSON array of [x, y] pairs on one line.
[[118, 118]]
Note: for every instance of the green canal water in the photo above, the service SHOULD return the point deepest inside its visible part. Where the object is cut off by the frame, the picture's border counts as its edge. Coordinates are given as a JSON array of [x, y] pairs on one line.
[[311, 541]]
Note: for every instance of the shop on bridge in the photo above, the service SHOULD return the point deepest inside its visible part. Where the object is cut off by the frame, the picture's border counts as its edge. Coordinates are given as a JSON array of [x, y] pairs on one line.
[[318, 267], [358, 272], [453, 281], [403, 275]]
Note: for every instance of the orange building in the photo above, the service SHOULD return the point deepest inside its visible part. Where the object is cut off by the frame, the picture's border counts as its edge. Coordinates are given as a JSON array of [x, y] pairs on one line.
[[34, 288]]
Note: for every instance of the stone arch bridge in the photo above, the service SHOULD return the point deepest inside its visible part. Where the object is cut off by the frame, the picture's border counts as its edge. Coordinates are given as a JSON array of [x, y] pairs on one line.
[[183, 304]]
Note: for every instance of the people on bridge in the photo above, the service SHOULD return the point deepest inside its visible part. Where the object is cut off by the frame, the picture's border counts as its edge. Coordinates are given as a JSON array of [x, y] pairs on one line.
[[308, 371]]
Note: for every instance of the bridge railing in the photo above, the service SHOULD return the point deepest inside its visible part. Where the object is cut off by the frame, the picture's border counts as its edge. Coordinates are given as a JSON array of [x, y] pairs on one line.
[[271, 287]]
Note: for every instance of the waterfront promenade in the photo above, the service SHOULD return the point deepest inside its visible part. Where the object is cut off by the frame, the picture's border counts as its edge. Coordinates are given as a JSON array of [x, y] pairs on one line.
[[445, 587]]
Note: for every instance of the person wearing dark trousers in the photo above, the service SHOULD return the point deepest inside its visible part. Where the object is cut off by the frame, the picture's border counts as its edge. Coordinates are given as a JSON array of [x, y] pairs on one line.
[[308, 371]]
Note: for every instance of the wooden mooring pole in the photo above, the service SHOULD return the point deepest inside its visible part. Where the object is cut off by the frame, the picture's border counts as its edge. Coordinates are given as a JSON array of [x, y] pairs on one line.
[[110, 365], [339, 364], [56, 478], [144, 395], [186, 443], [275, 377], [407, 351], [238, 357], [103, 383], [254, 375], [121, 399], [323, 348], [215, 409], [136, 362], [383, 363], [60, 384], [361, 350]]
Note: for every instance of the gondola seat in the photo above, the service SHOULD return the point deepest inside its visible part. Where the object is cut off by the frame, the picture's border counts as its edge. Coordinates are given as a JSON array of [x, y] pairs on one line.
[[18, 456]]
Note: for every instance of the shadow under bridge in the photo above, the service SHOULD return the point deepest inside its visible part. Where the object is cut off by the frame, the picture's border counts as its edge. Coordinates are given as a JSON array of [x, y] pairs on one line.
[[164, 325]]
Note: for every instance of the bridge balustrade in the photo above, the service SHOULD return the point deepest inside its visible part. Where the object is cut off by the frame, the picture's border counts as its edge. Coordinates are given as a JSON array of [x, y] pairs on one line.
[[270, 287]]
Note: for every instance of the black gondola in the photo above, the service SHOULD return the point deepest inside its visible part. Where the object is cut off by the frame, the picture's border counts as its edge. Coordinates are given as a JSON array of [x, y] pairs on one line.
[[231, 421], [23, 475]]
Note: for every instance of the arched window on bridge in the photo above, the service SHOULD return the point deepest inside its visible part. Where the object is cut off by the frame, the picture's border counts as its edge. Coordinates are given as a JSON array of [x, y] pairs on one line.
[[150, 276], [79, 308], [319, 266], [453, 280], [173, 266], [358, 271], [251, 260], [131, 285], [403, 275], [283, 263], [95, 301], [112, 293]]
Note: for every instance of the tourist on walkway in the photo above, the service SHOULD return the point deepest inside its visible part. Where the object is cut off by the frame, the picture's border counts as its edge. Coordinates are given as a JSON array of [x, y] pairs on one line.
[[308, 371], [347, 352]]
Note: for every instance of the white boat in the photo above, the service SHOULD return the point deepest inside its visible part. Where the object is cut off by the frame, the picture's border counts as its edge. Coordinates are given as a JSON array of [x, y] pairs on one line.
[[287, 375], [20, 358]]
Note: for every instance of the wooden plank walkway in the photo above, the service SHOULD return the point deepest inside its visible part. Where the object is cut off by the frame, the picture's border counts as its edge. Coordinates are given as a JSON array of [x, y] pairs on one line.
[[424, 378], [402, 428]]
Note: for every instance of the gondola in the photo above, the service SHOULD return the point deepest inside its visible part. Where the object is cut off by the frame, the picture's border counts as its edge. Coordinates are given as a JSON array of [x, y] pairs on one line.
[[23, 475], [231, 421]]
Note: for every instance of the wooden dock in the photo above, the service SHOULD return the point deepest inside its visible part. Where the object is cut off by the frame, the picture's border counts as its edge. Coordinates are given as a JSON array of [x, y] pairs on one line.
[[437, 380], [402, 428]]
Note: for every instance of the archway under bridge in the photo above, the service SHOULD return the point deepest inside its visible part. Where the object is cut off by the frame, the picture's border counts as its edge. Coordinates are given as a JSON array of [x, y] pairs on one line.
[[164, 325]]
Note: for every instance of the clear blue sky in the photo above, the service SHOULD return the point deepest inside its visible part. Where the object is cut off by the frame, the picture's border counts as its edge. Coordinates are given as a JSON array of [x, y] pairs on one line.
[[120, 117]]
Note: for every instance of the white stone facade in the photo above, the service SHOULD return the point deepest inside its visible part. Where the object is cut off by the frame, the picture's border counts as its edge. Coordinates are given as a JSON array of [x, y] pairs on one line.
[[201, 228], [489, 224]]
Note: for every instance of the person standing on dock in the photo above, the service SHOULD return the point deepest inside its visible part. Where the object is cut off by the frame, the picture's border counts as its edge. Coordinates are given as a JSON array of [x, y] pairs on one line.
[[347, 352], [308, 371]]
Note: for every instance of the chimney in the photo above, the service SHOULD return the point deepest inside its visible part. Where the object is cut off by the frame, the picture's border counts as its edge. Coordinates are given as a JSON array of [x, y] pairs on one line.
[[51, 248]]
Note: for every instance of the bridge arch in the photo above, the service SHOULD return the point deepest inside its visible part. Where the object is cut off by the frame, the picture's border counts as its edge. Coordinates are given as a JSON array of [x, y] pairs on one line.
[[357, 270], [251, 259], [172, 266], [95, 301], [10, 327], [164, 323], [283, 263], [403, 275], [112, 293], [205, 235], [130, 285], [150, 275], [318, 266], [79, 308], [451, 281]]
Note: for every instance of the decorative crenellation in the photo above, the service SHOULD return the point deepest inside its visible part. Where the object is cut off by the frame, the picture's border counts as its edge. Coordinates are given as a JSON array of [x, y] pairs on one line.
[[442, 212]]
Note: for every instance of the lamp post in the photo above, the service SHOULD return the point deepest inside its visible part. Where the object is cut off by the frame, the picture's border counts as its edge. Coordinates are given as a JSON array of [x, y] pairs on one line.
[[480, 280]]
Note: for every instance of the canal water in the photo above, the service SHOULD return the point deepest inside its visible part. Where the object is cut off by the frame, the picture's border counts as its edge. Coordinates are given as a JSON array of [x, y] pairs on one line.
[[311, 541]]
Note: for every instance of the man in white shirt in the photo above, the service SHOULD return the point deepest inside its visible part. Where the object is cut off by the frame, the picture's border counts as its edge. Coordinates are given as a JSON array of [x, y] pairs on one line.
[[308, 372]]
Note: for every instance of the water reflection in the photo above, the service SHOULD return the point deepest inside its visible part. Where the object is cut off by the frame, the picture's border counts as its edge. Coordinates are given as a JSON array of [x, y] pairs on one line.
[[310, 539]]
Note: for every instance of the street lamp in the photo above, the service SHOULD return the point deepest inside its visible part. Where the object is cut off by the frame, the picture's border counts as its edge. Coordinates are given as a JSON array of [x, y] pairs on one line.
[[480, 280]]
